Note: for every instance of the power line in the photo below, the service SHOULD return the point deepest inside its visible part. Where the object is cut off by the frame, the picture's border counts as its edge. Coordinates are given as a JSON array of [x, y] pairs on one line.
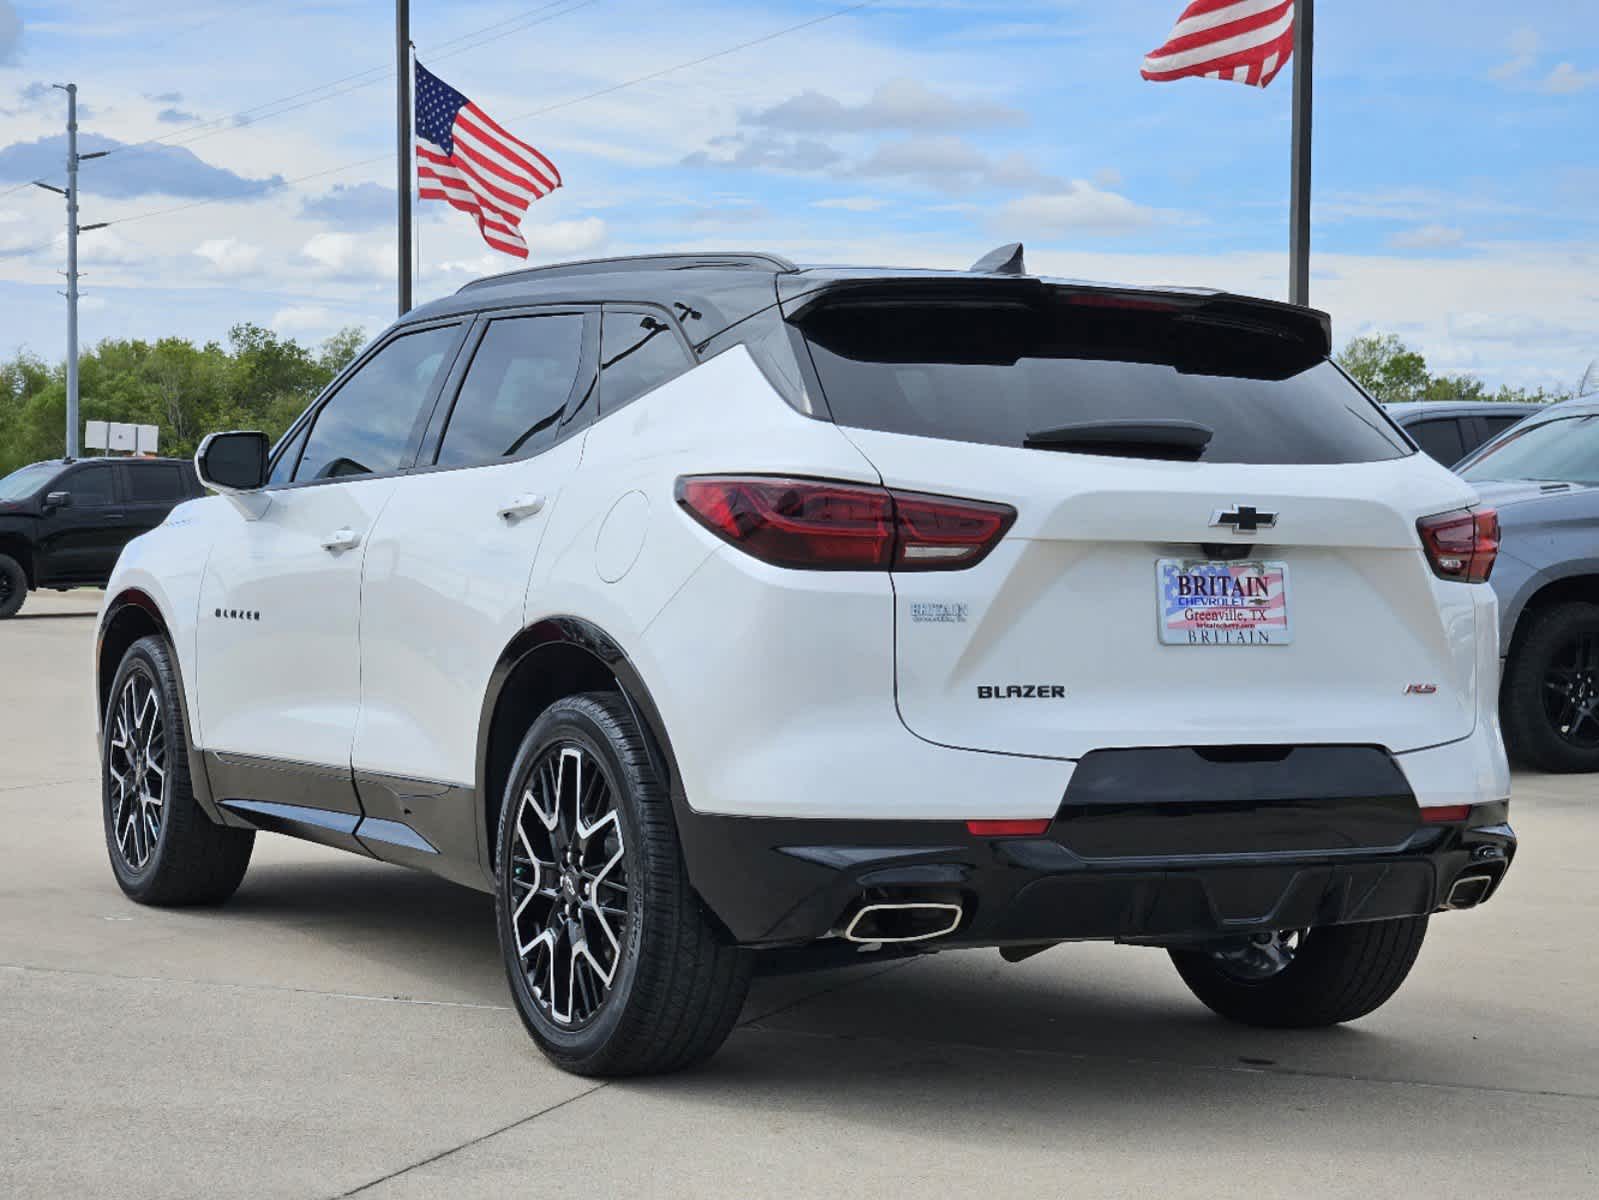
[[354, 81]]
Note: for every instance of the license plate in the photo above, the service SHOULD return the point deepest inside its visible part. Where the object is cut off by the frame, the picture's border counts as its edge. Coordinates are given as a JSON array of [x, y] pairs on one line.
[[1204, 603]]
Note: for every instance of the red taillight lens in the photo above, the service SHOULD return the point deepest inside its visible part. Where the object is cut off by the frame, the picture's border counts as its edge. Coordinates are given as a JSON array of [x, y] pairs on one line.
[[1008, 828], [1445, 814], [820, 526], [1461, 545]]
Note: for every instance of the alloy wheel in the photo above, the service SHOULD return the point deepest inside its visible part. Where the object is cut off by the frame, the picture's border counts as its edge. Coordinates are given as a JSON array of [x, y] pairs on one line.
[[568, 887], [137, 764], [1571, 691]]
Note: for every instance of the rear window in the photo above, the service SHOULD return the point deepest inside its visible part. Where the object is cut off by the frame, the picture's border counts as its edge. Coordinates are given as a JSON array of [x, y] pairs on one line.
[[995, 373]]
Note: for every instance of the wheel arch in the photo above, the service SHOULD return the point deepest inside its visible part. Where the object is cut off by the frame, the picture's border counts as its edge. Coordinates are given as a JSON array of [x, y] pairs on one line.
[[14, 545], [556, 657], [130, 615], [1582, 586]]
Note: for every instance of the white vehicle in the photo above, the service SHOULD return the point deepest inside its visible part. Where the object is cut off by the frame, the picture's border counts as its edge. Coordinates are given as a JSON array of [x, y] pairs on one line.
[[701, 604]]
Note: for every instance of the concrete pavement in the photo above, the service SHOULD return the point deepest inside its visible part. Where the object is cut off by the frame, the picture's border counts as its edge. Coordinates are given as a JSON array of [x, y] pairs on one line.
[[342, 1027]]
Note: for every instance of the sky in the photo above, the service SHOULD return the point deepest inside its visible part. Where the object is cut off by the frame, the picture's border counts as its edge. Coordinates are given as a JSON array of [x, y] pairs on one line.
[[252, 173]]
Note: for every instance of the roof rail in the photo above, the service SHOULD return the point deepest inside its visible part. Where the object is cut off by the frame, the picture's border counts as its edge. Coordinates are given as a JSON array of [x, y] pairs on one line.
[[751, 260]]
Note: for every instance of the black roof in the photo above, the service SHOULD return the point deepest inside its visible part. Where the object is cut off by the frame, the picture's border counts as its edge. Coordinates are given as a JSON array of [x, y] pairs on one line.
[[712, 290]]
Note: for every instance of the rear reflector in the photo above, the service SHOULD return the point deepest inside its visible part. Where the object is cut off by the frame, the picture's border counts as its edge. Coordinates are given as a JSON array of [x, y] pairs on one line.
[[821, 526], [1461, 545], [1446, 814], [1008, 828]]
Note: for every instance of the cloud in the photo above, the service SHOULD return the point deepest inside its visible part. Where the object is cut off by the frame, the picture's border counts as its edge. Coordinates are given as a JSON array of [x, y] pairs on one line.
[[176, 116], [10, 33], [229, 256], [902, 105], [306, 318], [164, 97], [346, 256], [353, 206], [562, 239], [1427, 237], [766, 152], [851, 203], [1079, 208], [1566, 80], [952, 164], [1523, 54], [149, 170]]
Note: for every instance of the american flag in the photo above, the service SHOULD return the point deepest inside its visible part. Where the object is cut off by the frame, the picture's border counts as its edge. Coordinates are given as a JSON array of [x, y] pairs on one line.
[[469, 162], [1246, 41], [1229, 601]]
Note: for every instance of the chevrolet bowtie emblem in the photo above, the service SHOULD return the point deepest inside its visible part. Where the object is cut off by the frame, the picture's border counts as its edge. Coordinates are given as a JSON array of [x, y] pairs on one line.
[[1246, 518]]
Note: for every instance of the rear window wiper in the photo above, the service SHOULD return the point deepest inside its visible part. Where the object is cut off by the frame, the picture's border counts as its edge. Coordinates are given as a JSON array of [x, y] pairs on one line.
[[1174, 441]]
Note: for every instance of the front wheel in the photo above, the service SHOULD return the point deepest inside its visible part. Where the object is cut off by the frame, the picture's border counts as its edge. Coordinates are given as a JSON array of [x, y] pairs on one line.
[[164, 849], [13, 586], [1304, 979], [614, 966]]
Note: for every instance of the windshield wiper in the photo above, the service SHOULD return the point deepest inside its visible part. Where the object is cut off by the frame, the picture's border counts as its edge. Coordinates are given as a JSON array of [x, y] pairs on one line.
[[1172, 441]]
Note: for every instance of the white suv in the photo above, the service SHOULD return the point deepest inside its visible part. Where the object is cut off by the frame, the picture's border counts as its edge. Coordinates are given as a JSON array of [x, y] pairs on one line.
[[700, 605]]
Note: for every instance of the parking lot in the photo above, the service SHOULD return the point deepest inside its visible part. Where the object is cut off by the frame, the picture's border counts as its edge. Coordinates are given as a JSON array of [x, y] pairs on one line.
[[342, 1027]]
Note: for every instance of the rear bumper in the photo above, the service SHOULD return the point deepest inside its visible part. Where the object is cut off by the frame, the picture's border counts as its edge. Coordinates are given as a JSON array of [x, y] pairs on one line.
[[1164, 871]]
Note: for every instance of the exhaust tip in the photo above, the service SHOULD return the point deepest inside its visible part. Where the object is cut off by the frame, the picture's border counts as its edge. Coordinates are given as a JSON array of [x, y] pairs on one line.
[[1469, 891], [902, 921]]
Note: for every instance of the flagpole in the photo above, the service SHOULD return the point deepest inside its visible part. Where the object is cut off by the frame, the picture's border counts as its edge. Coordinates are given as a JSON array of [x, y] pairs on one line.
[[402, 108], [1299, 189]]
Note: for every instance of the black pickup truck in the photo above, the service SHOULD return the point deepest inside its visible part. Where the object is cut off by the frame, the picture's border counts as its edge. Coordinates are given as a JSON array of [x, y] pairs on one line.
[[63, 523]]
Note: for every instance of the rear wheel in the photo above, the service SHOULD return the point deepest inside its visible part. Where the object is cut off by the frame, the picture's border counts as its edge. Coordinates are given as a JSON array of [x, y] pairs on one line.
[[1302, 979], [1549, 705], [13, 586], [613, 963], [164, 849]]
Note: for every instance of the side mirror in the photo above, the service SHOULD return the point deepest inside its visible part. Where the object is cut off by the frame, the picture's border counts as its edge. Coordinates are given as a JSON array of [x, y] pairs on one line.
[[57, 500], [233, 463]]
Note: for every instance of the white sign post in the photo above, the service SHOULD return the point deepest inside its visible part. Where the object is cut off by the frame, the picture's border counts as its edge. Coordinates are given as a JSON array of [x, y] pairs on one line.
[[96, 436], [123, 437], [147, 438]]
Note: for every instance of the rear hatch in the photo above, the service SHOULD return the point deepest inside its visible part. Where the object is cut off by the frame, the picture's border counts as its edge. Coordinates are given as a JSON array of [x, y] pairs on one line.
[[1215, 540]]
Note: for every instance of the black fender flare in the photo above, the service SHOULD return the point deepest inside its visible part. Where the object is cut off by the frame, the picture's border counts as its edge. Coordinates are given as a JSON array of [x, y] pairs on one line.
[[199, 780], [584, 635]]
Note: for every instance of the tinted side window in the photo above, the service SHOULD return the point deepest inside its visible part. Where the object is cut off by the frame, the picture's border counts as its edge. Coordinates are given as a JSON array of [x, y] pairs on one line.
[[511, 401], [283, 469], [90, 486], [1439, 437], [370, 425], [156, 484], [638, 353], [1492, 427]]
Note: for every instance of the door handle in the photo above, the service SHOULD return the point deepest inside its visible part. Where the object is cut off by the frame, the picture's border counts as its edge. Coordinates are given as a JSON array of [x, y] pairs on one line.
[[522, 506], [342, 539]]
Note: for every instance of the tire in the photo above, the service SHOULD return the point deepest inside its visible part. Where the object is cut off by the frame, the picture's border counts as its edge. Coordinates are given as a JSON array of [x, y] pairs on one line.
[[1337, 973], [675, 986], [1530, 710], [13, 586], [168, 853]]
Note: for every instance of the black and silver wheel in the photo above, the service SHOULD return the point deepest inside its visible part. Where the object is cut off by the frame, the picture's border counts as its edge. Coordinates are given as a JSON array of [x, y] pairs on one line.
[[13, 586], [614, 966], [1301, 979], [164, 849], [1549, 703]]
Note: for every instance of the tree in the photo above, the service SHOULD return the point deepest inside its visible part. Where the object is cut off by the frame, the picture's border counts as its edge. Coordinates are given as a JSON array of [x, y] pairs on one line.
[[257, 381], [1393, 372]]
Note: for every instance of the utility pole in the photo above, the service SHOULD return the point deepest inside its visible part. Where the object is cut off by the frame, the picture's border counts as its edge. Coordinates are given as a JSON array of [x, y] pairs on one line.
[[402, 126], [73, 229], [1299, 187]]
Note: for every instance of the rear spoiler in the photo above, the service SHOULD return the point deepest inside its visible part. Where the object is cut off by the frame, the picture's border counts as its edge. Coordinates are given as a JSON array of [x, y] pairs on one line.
[[801, 298]]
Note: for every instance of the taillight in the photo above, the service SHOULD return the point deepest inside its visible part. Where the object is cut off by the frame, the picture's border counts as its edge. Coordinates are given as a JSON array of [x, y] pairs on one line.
[[1446, 814], [821, 526], [1461, 545], [1008, 828]]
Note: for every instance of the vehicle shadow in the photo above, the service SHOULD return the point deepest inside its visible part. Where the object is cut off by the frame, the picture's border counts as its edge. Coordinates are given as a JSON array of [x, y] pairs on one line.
[[1063, 1023]]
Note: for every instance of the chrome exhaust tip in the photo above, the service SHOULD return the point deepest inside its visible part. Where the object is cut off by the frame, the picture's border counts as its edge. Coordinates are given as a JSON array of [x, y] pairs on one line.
[[885, 922], [1469, 891]]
